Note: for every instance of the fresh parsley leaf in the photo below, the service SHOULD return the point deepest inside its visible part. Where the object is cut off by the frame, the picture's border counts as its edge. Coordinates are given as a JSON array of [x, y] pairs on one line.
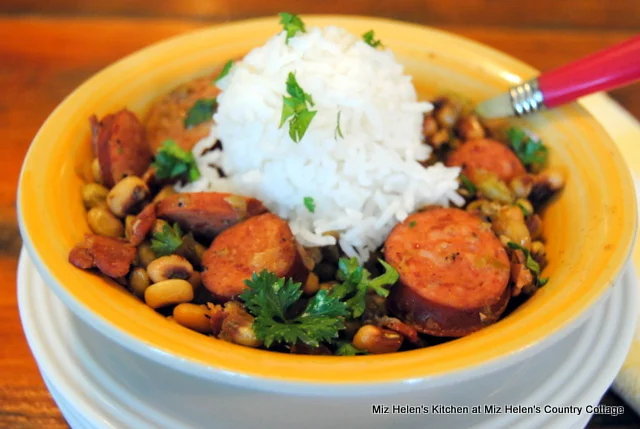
[[347, 349], [530, 152], [338, 131], [225, 71], [368, 38], [270, 299], [356, 283], [166, 241], [201, 111], [172, 161], [468, 185], [295, 109], [530, 263], [291, 24], [543, 281], [412, 224], [310, 204]]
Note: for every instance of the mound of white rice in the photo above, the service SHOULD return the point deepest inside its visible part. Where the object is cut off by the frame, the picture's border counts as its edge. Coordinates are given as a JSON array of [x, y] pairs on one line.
[[362, 183]]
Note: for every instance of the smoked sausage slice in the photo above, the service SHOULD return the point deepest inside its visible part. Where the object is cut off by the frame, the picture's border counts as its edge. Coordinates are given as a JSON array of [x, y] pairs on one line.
[[488, 155], [207, 213], [121, 146], [263, 242], [454, 272]]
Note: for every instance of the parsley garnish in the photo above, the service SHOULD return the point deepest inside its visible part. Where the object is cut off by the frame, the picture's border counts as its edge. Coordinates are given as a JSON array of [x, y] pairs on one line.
[[296, 107], [530, 263], [201, 111], [543, 281], [270, 299], [166, 241], [173, 161], [468, 185], [225, 71], [368, 38], [292, 24], [356, 283], [412, 224], [338, 131], [347, 349], [530, 152], [310, 204]]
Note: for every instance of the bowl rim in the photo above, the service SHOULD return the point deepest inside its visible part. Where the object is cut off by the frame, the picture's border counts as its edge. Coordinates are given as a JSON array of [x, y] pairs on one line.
[[295, 371]]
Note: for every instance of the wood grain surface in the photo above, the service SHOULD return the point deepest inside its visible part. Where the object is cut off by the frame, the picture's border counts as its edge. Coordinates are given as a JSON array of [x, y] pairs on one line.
[[48, 48]]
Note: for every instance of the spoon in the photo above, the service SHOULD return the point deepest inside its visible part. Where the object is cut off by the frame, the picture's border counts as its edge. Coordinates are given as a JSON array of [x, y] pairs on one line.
[[607, 69]]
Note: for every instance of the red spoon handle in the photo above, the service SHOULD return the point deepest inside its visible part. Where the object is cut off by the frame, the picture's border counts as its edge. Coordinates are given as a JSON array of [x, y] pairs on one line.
[[604, 70]]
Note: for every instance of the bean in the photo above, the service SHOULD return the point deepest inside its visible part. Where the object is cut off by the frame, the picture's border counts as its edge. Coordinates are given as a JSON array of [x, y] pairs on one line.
[[538, 250], [312, 285], [377, 340], [94, 195], [470, 128], [168, 292], [102, 222], [126, 195], [447, 114], [534, 225], [521, 186], [146, 255], [138, 281], [429, 126], [158, 226], [192, 316], [96, 172], [169, 267], [439, 138], [237, 326], [510, 222]]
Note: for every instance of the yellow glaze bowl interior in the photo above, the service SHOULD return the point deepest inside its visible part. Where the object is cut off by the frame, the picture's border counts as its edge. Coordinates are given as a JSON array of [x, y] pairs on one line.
[[589, 229]]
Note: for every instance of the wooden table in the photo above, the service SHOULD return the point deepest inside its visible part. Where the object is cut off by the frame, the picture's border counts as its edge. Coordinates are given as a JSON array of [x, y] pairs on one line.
[[48, 48]]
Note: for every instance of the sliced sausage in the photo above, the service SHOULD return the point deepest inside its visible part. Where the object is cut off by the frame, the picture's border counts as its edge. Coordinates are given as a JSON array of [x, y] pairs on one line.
[[208, 213], [142, 224], [488, 155], [166, 117], [263, 242], [120, 143], [112, 256], [454, 272]]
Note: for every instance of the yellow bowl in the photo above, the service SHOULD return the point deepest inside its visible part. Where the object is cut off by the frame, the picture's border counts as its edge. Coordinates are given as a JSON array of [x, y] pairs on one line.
[[590, 229]]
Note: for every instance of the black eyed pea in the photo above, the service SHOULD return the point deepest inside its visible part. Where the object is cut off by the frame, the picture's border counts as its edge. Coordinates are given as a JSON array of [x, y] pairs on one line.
[[521, 186], [145, 254], [377, 340], [94, 195], [168, 292], [193, 316], [169, 267], [237, 326], [510, 222], [95, 171], [139, 281], [103, 222], [447, 114], [470, 128], [126, 195], [429, 126]]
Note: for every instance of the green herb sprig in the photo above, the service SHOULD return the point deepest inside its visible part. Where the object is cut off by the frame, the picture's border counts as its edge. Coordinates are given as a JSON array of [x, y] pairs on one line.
[[172, 161], [531, 152], [270, 299], [369, 39], [357, 282], [530, 263], [201, 111], [310, 204], [225, 71], [295, 109], [167, 241], [291, 24]]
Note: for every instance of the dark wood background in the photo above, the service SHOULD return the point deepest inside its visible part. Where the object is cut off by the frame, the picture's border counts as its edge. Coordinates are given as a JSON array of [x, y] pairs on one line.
[[48, 47]]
